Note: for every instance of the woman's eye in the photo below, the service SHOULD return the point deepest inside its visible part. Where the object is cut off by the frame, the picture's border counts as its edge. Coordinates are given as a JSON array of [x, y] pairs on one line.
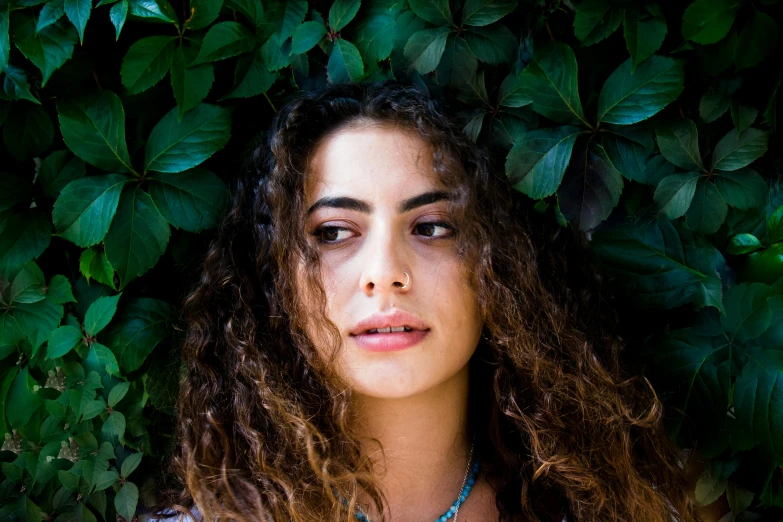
[[430, 228], [328, 235], [332, 235]]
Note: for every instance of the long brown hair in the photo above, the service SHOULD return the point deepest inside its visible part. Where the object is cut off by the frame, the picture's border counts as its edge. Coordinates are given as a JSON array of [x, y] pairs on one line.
[[263, 429]]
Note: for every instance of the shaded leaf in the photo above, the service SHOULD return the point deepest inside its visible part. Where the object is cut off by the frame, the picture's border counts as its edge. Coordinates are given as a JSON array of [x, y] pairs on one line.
[[708, 21], [734, 152], [193, 200], [147, 62], [596, 20], [675, 193]]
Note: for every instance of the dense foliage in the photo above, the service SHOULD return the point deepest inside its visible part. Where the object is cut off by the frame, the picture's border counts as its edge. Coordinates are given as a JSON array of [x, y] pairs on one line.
[[124, 122]]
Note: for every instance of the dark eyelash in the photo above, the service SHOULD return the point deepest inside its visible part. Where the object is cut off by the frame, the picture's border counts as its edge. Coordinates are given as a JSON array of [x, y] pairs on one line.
[[318, 231]]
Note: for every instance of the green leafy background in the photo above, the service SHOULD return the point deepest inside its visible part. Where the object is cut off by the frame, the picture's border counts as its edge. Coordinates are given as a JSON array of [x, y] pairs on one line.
[[649, 125]]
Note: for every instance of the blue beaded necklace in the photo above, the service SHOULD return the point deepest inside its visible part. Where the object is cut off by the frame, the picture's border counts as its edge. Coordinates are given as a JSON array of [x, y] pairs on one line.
[[467, 485]]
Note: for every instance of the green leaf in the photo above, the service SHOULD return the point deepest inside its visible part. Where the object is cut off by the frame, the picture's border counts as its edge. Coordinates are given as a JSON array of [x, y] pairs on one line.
[[628, 98], [643, 35], [192, 200], [661, 265], [306, 36], [537, 162], [748, 314], [117, 394], [512, 92], [775, 225], [28, 132], [591, 187], [425, 48], [78, 11], [100, 313], [138, 236], [742, 116], [251, 77], [485, 12], [147, 62], [224, 40], [293, 16], [175, 146], [758, 398], [473, 127], [342, 12], [59, 290], [104, 359], [5, 40], [25, 401], [23, 237], [708, 21], [127, 498], [130, 463], [493, 44], [679, 144], [15, 83], [50, 13], [94, 129], [627, 156], [756, 40], [456, 64], [743, 188], [707, 210], [743, 244], [150, 9], [57, 170], [48, 49], [375, 37], [139, 328], [596, 20], [734, 152], [203, 13], [118, 14], [252, 9], [436, 12], [28, 285], [345, 62], [37, 320], [550, 81], [190, 84], [113, 431], [675, 193], [94, 264], [83, 212], [713, 106], [62, 340]]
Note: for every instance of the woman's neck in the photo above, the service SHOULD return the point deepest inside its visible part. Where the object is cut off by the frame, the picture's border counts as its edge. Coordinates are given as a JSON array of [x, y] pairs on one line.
[[426, 444]]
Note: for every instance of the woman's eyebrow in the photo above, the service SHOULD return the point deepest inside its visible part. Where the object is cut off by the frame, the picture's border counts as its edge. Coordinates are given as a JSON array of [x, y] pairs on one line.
[[358, 205]]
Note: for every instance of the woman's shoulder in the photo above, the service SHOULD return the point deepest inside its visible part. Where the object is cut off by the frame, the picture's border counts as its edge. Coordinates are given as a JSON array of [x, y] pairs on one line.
[[171, 515]]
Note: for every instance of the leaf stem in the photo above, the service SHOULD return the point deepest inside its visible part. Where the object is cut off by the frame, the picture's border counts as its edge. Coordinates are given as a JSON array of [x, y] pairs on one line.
[[270, 102]]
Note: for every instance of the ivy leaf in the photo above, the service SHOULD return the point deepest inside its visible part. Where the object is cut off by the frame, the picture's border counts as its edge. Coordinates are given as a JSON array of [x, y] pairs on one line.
[[27, 286], [675, 193], [28, 131], [708, 209], [436, 12], [85, 208], [537, 162], [485, 12], [735, 152], [628, 98], [748, 313], [627, 156], [193, 200], [150, 9], [493, 44], [425, 48], [15, 85], [100, 313], [661, 265], [758, 398], [5, 40], [175, 146], [94, 264], [62, 340], [550, 81], [224, 40], [708, 21], [147, 62], [139, 328], [375, 37], [743, 244], [743, 188], [190, 84], [59, 290], [48, 48], [756, 40], [113, 431], [57, 170], [713, 106], [251, 77], [37, 320], [742, 116], [78, 11], [25, 401], [117, 394], [138, 236], [596, 20], [94, 129], [643, 35], [512, 92], [679, 144], [130, 463], [252, 9], [50, 13], [345, 62], [203, 13], [342, 12], [23, 237], [127, 497], [591, 187], [306, 36], [456, 64], [118, 14]]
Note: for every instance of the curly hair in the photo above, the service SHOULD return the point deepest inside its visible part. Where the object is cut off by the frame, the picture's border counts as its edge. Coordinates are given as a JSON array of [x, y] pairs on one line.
[[263, 429]]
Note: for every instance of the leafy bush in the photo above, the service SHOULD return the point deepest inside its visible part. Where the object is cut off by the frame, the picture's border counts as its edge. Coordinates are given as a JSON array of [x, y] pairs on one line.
[[654, 139]]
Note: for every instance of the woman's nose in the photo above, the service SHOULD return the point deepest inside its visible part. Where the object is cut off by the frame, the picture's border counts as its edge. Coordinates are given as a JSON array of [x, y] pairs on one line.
[[385, 261]]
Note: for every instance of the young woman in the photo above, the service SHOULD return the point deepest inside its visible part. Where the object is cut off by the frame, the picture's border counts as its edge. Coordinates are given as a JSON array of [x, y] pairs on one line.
[[385, 331]]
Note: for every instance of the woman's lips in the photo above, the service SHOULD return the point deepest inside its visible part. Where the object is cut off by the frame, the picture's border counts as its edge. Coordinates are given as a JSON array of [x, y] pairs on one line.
[[387, 342]]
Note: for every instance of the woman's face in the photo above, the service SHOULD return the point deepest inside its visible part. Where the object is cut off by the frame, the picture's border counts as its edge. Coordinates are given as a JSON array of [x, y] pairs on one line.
[[372, 222]]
